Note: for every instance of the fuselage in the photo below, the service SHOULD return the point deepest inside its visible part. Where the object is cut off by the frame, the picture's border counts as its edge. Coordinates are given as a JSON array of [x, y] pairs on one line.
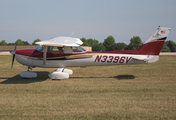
[[34, 58]]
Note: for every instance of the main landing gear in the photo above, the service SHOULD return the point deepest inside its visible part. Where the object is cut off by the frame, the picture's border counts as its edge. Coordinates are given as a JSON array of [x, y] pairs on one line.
[[58, 74]]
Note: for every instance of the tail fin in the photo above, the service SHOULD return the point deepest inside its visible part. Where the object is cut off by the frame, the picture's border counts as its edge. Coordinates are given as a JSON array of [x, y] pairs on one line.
[[155, 43]]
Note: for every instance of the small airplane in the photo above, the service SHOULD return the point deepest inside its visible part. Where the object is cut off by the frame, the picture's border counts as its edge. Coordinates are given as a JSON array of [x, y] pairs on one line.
[[62, 52]]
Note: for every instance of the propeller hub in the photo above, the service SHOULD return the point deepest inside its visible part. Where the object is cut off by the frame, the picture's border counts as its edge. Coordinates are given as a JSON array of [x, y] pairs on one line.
[[13, 52]]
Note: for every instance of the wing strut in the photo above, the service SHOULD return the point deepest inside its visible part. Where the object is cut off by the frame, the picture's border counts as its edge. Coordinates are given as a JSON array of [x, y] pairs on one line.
[[44, 55]]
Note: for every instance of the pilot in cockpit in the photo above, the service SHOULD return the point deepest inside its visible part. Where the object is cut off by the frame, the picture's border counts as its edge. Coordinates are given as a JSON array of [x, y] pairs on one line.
[[60, 50]]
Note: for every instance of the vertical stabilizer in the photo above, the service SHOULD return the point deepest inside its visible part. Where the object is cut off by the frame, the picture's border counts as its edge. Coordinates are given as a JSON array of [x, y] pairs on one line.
[[155, 43], [160, 34]]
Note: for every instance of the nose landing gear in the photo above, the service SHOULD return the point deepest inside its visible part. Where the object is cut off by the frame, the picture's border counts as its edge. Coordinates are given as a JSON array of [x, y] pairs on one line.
[[28, 74]]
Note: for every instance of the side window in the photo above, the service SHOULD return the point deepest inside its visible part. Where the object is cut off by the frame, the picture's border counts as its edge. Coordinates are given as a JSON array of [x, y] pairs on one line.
[[55, 50], [60, 50], [75, 49]]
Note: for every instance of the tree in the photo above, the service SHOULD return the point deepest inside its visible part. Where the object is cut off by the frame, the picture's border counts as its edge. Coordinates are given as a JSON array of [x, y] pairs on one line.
[[171, 45], [135, 43], [36, 40], [98, 47], [19, 42], [85, 43], [3, 42], [112, 47], [26, 43], [108, 42], [165, 48], [121, 46], [92, 42], [11, 43]]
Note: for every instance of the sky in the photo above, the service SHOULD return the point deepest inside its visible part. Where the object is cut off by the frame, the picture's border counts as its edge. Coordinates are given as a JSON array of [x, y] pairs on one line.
[[96, 19]]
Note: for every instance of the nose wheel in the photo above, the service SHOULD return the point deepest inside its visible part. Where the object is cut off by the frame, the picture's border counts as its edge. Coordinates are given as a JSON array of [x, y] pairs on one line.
[[28, 73]]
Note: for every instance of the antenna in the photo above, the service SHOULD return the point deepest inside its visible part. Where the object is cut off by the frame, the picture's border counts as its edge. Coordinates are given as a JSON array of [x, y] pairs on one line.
[[71, 33]]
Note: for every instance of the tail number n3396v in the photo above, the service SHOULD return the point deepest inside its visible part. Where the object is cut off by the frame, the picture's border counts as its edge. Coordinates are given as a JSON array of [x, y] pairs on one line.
[[112, 59]]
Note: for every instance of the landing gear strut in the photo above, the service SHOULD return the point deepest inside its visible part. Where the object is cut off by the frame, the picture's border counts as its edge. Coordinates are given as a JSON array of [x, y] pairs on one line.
[[29, 68]]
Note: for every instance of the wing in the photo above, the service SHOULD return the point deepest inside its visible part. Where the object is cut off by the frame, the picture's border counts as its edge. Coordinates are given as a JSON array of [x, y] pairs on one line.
[[61, 41]]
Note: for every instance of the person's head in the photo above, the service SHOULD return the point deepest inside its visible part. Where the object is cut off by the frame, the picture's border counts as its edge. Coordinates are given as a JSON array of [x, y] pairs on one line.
[[59, 48]]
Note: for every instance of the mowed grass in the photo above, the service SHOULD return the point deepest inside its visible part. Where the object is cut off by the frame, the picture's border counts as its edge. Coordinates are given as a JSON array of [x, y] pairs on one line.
[[143, 91]]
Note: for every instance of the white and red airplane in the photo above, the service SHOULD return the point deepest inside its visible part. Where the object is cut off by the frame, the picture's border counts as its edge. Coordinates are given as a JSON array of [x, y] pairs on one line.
[[62, 52]]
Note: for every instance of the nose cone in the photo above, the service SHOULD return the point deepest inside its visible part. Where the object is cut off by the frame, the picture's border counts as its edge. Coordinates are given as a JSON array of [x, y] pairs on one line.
[[13, 52]]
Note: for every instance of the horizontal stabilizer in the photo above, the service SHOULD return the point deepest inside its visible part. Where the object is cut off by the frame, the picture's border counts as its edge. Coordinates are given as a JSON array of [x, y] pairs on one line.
[[148, 59]]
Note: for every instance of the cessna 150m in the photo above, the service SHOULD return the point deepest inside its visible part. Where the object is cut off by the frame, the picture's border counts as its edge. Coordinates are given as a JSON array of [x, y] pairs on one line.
[[62, 52]]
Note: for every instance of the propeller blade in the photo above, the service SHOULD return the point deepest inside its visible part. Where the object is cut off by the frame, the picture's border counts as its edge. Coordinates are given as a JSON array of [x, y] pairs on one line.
[[15, 47], [13, 52], [13, 60]]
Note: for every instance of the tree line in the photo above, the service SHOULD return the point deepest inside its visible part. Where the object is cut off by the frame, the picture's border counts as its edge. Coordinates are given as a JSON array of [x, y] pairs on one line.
[[135, 43], [19, 42], [108, 44]]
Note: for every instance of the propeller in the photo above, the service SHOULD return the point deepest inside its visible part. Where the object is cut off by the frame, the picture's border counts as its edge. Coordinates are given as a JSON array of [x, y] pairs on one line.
[[13, 53]]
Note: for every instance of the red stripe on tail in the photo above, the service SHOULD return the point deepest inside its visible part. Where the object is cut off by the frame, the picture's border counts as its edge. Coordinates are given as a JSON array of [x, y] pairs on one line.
[[151, 48]]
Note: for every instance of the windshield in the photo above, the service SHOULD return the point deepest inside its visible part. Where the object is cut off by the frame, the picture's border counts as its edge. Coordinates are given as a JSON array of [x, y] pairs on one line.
[[40, 48]]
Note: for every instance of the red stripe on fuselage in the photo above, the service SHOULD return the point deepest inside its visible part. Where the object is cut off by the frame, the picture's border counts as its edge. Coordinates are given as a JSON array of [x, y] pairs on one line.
[[25, 52], [39, 54]]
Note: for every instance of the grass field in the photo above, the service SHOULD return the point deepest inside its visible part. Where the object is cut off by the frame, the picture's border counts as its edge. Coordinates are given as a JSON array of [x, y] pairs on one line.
[[145, 91]]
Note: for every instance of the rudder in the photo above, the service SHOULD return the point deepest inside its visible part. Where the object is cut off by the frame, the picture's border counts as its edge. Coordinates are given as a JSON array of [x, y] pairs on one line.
[[155, 43]]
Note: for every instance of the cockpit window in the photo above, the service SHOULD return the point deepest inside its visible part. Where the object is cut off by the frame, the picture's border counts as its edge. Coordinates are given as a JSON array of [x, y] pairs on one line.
[[40, 48], [61, 50], [78, 49]]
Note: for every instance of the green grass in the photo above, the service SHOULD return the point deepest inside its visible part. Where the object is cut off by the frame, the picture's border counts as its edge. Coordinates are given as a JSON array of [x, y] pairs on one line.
[[145, 91]]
